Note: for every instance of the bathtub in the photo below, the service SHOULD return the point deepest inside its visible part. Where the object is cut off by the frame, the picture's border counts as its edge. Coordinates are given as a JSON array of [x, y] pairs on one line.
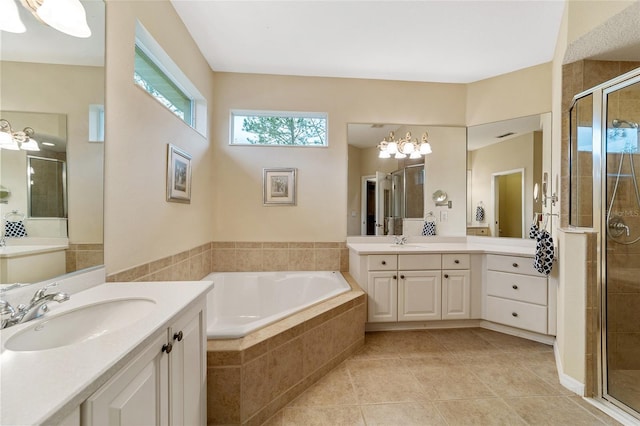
[[242, 302]]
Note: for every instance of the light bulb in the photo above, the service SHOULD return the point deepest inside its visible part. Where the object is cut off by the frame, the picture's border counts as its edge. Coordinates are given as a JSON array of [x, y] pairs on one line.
[[407, 147], [414, 155], [425, 148], [30, 145], [67, 16], [384, 154], [392, 147], [400, 155]]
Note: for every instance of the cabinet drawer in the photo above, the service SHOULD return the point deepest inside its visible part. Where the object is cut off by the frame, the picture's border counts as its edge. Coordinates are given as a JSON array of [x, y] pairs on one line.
[[419, 261], [383, 262], [513, 264], [517, 314], [456, 261], [524, 288]]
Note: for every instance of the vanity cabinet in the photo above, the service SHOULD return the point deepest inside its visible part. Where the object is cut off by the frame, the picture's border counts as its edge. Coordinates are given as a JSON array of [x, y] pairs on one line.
[[165, 384], [516, 294], [415, 287]]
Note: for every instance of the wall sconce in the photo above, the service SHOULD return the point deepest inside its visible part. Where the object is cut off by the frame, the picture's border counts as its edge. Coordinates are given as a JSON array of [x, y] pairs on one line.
[[67, 16], [404, 146], [12, 140]]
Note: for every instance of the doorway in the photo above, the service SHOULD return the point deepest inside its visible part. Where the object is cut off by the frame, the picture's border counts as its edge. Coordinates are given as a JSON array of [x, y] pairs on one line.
[[508, 201]]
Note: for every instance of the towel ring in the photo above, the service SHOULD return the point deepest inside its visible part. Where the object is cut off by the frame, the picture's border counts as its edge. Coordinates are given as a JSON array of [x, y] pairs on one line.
[[15, 215], [430, 217]]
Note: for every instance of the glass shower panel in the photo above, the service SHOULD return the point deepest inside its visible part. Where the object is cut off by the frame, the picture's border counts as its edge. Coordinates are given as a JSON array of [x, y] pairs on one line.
[[414, 191], [581, 159], [622, 245]]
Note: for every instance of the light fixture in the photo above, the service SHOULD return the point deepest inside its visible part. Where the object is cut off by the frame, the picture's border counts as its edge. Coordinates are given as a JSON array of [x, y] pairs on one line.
[[15, 140], [67, 16], [404, 146]]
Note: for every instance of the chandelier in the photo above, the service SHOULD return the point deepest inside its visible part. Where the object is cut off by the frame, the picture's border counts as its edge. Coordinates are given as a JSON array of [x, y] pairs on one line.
[[67, 16], [404, 146], [15, 140]]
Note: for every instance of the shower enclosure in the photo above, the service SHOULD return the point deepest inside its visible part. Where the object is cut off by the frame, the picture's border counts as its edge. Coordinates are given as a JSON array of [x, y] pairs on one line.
[[605, 195]]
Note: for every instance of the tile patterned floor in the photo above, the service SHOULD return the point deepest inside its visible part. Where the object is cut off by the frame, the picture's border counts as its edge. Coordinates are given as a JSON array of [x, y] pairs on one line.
[[442, 377]]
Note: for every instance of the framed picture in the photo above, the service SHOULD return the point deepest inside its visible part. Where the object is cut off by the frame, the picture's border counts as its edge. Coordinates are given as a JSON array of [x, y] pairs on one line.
[[178, 175], [279, 187]]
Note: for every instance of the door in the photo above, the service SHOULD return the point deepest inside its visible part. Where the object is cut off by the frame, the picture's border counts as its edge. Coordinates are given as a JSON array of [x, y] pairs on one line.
[[508, 201], [137, 395], [456, 294], [382, 190], [419, 295], [383, 297]]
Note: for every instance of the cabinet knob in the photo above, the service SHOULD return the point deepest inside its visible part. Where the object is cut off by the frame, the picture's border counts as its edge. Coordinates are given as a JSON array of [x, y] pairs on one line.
[[515, 265], [514, 314], [446, 275], [395, 277], [515, 287], [456, 261], [384, 262], [402, 277], [178, 336], [168, 347]]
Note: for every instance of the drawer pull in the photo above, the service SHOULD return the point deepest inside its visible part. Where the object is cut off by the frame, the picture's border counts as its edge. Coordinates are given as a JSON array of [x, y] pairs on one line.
[[395, 277], [515, 265], [384, 262], [446, 275], [456, 261], [515, 287], [167, 348], [178, 336], [514, 314], [402, 277]]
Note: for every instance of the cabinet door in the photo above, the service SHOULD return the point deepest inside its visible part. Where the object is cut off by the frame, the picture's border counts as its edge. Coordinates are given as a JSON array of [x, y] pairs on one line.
[[419, 295], [188, 370], [137, 395], [383, 297], [456, 294]]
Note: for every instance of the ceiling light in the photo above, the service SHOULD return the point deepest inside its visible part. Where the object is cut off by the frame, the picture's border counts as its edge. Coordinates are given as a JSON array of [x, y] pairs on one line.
[[10, 18], [404, 146], [48, 144]]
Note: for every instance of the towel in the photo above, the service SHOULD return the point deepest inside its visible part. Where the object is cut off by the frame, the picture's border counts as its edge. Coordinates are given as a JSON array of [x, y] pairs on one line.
[[533, 231], [543, 262], [14, 229], [479, 214], [429, 227]]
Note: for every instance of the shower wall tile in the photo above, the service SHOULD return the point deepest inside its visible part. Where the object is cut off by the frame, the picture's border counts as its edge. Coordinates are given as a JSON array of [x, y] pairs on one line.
[[81, 256]]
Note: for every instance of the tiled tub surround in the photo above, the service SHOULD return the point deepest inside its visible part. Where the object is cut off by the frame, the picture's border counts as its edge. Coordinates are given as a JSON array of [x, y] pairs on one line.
[[82, 256], [249, 379], [232, 256]]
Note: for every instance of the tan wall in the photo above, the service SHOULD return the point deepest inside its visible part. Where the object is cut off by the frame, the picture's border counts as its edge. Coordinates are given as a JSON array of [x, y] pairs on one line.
[[516, 94], [320, 214], [52, 88], [584, 16], [140, 225]]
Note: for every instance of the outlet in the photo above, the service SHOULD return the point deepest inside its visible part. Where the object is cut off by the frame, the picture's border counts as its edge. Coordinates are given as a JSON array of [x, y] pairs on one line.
[[444, 216]]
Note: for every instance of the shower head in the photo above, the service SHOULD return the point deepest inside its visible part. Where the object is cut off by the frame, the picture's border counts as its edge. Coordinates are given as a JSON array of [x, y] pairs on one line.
[[618, 123]]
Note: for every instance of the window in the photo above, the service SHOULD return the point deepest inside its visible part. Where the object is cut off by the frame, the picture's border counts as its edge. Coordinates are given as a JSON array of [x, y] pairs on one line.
[[158, 75], [278, 128]]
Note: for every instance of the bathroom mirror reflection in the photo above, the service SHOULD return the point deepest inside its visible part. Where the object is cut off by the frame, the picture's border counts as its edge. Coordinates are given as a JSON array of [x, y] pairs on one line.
[[54, 84], [505, 161], [382, 192]]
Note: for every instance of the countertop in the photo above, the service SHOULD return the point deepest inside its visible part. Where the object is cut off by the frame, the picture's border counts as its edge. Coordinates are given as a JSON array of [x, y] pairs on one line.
[[24, 250], [417, 245], [47, 385]]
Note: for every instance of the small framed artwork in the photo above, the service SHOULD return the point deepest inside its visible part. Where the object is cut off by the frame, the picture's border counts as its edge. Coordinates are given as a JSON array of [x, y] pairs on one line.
[[279, 187], [178, 175]]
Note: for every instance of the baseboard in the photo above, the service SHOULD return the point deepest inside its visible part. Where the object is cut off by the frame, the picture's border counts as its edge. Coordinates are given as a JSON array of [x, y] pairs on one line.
[[567, 381], [530, 335], [421, 325]]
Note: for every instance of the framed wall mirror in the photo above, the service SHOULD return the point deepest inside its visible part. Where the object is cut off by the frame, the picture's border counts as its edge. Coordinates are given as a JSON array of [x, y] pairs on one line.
[[53, 83], [505, 160]]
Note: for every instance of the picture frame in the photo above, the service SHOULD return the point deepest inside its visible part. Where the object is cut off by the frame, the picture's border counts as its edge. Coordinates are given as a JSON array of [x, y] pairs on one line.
[[178, 175], [279, 187]]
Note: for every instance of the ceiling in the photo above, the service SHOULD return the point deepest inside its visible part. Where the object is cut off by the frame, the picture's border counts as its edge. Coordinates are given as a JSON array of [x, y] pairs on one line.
[[431, 41]]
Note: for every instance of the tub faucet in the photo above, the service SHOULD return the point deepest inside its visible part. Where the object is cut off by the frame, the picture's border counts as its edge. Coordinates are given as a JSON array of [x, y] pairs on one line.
[[35, 309], [400, 241]]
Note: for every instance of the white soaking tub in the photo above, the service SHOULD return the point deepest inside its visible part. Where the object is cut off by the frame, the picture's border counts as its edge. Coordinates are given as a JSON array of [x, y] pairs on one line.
[[242, 302]]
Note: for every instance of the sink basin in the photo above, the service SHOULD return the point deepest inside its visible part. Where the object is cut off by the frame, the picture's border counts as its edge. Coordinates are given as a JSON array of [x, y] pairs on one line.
[[80, 325]]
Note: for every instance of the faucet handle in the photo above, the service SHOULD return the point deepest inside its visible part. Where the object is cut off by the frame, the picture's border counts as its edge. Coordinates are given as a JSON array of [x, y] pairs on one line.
[[41, 291], [6, 308]]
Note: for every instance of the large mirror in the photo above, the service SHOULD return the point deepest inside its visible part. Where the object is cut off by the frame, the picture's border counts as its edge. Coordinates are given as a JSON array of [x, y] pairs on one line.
[[390, 196], [52, 83], [505, 160]]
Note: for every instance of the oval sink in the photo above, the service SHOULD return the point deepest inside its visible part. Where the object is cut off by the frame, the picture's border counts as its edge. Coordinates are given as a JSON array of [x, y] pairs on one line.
[[80, 325]]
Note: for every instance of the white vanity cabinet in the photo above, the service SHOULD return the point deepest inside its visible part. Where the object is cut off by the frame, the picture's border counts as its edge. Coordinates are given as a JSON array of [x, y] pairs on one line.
[[165, 384], [415, 287], [516, 294]]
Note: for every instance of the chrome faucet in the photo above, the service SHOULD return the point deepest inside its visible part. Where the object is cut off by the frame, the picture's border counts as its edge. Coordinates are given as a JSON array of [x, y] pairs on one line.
[[35, 309], [400, 241], [3, 242]]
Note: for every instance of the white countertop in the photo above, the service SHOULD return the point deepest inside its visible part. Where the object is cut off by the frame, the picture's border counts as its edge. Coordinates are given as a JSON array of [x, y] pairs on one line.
[[417, 245], [24, 250], [46, 385]]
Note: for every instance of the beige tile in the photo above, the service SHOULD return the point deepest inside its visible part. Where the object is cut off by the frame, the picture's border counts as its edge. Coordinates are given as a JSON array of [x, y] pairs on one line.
[[318, 348], [333, 389], [508, 381], [223, 395], [481, 412], [462, 340], [323, 416], [301, 259], [551, 410], [374, 386], [406, 414], [255, 386], [441, 382], [604, 418], [275, 259], [275, 420], [285, 367], [223, 259], [510, 343], [327, 259], [249, 259]]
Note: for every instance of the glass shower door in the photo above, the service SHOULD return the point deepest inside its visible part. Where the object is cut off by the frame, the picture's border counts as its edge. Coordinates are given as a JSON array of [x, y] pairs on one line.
[[622, 245]]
